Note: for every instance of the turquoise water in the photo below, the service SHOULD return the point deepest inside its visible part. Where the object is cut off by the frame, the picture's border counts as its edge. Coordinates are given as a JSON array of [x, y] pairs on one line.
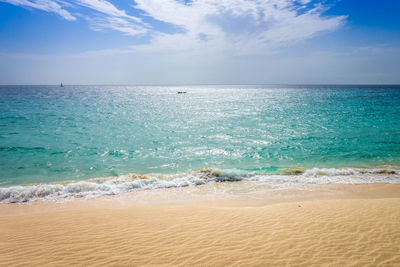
[[48, 133]]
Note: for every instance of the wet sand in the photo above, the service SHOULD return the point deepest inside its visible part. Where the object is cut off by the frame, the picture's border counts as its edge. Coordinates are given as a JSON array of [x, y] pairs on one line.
[[214, 225]]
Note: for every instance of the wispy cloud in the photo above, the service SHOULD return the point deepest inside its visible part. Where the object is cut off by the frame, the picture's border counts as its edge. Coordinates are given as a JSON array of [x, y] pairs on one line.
[[105, 15], [233, 25], [99, 23], [106, 8], [238, 24], [45, 5], [101, 14]]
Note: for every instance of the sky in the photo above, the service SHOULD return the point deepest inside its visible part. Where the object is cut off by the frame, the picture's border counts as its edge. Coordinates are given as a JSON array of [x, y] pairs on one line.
[[199, 41]]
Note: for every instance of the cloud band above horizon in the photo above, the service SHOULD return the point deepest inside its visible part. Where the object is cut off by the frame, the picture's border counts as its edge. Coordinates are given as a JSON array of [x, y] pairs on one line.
[[245, 26]]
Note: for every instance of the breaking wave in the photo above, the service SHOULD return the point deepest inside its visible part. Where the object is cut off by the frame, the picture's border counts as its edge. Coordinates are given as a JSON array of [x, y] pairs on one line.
[[130, 182]]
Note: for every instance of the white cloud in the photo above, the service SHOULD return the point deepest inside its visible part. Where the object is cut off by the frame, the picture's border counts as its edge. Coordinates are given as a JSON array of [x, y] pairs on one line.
[[102, 14], [105, 8], [239, 26], [107, 16], [45, 5], [123, 25]]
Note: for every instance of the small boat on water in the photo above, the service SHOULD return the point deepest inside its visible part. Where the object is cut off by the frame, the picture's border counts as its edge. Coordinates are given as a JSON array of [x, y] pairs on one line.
[[61, 85], [182, 92]]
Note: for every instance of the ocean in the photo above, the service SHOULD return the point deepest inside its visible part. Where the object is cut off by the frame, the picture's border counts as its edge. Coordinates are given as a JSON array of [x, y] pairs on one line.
[[86, 141]]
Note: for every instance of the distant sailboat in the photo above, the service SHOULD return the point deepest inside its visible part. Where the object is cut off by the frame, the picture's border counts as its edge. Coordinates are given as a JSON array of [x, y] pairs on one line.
[[61, 85]]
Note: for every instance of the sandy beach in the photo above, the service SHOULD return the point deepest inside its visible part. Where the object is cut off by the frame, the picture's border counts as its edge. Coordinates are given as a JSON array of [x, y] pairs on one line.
[[351, 225]]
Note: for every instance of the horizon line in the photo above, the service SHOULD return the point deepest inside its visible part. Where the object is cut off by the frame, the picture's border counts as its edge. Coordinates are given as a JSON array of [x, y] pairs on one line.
[[202, 84]]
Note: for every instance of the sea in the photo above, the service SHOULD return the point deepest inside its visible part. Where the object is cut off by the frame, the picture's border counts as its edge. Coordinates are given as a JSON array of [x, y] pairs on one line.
[[88, 141]]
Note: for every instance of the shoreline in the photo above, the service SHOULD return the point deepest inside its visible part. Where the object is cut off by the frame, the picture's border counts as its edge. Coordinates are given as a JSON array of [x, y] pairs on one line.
[[292, 177], [227, 224]]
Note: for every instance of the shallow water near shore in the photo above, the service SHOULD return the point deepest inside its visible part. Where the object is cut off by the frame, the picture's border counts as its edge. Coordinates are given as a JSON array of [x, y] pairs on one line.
[[61, 142], [292, 178]]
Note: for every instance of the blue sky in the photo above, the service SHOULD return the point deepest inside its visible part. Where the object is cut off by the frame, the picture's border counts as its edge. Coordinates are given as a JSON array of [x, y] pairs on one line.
[[199, 41]]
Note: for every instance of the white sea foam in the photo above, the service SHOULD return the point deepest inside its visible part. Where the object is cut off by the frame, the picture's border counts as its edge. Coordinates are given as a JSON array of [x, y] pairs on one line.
[[131, 182]]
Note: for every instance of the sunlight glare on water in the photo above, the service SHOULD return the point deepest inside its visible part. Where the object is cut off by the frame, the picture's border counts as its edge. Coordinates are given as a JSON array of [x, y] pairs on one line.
[[48, 133]]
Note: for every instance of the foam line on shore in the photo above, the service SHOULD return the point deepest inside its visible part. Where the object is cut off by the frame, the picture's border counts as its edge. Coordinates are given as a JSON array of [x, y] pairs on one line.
[[290, 177]]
